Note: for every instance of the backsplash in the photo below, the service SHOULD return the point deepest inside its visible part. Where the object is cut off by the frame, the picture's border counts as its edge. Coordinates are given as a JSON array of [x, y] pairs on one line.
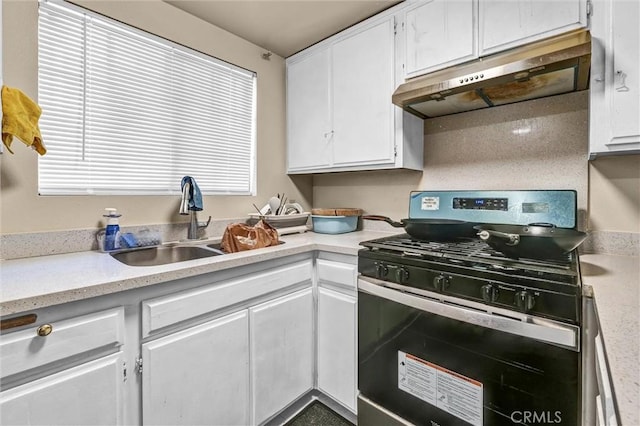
[[538, 144], [618, 243], [14, 246]]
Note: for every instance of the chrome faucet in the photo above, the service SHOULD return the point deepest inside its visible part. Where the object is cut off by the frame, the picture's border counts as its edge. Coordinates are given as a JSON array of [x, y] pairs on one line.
[[194, 225], [190, 203]]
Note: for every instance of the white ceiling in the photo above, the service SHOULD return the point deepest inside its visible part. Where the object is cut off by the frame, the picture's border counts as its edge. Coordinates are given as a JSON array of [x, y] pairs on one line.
[[283, 27]]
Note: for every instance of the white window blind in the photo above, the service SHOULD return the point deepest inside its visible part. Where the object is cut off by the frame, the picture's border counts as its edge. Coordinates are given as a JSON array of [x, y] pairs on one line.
[[126, 112]]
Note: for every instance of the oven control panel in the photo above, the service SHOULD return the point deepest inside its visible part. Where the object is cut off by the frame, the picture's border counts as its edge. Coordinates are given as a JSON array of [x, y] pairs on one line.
[[513, 207], [481, 203]]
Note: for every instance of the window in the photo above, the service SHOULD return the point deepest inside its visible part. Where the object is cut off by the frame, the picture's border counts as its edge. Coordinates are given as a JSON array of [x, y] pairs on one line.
[[126, 112]]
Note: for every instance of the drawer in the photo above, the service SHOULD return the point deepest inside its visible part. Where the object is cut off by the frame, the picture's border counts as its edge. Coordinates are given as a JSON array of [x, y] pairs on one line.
[[25, 350], [336, 272], [167, 310]]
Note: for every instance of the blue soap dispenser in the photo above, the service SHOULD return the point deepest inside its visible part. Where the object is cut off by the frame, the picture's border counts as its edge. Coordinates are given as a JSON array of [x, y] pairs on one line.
[[112, 233]]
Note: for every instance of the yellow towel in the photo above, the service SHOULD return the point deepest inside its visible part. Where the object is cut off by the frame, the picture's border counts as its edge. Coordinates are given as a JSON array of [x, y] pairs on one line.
[[20, 119]]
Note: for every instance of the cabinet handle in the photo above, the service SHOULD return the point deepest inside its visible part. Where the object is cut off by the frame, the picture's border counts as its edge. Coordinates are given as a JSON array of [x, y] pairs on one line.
[[44, 330], [623, 86], [6, 324]]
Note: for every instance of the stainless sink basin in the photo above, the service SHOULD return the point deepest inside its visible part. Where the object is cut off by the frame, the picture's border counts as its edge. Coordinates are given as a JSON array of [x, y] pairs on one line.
[[162, 255]]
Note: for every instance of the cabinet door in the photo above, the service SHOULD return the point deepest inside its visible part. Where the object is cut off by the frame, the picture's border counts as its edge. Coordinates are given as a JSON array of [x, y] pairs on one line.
[[90, 394], [508, 23], [439, 33], [614, 94], [199, 376], [337, 361], [308, 117], [281, 352], [625, 56], [363, 82]]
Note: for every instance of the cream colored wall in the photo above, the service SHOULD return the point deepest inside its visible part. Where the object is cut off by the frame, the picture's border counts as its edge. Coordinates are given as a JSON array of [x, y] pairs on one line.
[[23, 210], [541, 144], [614, 185]]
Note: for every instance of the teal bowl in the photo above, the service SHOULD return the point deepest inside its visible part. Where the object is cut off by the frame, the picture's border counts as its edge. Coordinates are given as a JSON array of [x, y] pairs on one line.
[[334, 224]]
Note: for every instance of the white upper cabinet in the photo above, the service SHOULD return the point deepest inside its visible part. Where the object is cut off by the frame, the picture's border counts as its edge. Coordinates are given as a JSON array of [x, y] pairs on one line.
[[505, 24], [362, 87], [339, 111], [615, 73], [308, 112], [438, 34]]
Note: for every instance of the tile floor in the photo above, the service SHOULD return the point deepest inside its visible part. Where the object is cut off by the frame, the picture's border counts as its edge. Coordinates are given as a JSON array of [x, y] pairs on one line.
[[318, 414]]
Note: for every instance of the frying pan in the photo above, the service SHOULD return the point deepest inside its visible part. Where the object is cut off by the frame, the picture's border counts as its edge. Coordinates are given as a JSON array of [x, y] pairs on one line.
[[536, 241], [431, 229]]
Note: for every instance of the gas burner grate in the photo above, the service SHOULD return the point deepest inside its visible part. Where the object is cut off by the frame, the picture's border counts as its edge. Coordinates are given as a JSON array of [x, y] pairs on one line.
[[476, 254]]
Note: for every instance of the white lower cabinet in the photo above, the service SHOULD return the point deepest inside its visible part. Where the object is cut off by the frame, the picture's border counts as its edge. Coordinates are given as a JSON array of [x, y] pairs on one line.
[[337, 346], [89, 394], [231, 352], [198, 376], [281, 352], [69, 371], [204, 350], [337, 328]]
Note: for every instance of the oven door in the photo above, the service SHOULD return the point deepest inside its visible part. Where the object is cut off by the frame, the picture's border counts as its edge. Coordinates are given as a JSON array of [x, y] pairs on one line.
[[433, 360]]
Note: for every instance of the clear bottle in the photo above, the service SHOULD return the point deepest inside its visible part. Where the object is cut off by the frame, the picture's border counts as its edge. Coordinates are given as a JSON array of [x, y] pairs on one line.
[[112, 233]]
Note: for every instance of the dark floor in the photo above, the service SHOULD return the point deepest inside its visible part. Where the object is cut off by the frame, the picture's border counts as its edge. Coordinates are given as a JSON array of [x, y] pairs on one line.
[[318, 414]]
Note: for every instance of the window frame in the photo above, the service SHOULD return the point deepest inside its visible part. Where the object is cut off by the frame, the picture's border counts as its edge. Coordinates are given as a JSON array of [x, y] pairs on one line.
[[248, 171]]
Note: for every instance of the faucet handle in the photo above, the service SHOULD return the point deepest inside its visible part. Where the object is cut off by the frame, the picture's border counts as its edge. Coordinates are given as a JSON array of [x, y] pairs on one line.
[[204, 224]]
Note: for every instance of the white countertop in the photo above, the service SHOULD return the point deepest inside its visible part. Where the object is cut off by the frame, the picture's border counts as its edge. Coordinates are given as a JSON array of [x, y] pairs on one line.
[[37, 282], [616, 286]]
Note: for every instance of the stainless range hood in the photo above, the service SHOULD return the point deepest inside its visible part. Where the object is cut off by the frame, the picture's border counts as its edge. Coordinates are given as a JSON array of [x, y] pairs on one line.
[[545, 68]]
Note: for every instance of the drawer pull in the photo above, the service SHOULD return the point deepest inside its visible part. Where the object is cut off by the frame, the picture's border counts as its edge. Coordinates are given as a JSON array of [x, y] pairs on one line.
[[44, 330], [6, 324]]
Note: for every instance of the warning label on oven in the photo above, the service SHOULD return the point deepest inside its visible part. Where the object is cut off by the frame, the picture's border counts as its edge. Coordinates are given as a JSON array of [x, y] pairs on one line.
[[430, 203], [452, 392]]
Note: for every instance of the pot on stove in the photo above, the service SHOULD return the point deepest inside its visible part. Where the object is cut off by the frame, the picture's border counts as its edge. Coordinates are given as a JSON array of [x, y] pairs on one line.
[[431, 229], [536, 241]]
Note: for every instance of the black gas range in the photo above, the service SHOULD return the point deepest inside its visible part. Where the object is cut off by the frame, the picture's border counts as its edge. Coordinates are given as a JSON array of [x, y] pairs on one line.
[[456, 333], [471, 269]]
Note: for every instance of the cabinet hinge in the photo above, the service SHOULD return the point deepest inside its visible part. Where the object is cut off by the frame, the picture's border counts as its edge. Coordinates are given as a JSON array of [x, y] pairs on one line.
[[395, 27], [395, 151], [139, 365], [589, 8], [124, 371]]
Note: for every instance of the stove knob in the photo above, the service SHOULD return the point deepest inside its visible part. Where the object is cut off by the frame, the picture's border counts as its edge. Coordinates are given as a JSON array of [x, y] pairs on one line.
[[441, 282], [489, 293], [381, 270], [525, 300], [402, 276]]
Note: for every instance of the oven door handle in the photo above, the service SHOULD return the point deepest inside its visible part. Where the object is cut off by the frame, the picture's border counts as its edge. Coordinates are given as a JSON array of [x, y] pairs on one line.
[[553, 332]]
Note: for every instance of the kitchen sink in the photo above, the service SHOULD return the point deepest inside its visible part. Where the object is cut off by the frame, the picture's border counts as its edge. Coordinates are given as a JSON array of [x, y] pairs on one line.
[[217, 246], [162, 255]]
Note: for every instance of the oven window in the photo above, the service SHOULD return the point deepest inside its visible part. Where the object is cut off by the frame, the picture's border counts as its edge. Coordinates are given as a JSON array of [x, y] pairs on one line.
[[486, 376]]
